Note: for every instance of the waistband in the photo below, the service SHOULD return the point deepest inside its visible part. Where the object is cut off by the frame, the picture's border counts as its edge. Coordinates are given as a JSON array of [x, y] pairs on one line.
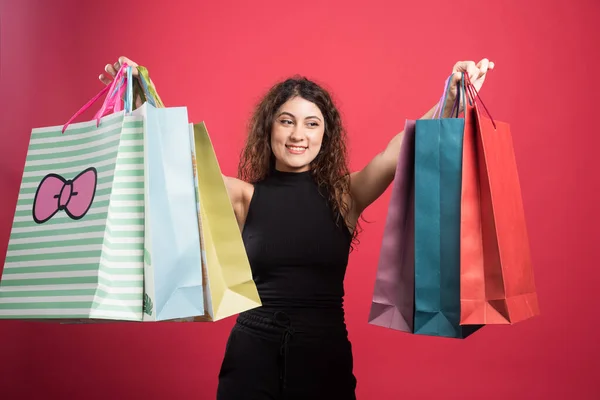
[[289, 328], [306, 323]]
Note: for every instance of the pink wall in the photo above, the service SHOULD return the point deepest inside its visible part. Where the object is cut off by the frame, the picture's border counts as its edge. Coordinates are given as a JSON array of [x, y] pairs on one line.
[[384, 62]]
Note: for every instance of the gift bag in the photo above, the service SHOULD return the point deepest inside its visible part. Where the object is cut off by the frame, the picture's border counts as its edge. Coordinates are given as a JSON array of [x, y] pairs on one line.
[[438, 161], [173, 284], [76, 244], [497, 282], [229, 287], [393, 295], [173, 273]]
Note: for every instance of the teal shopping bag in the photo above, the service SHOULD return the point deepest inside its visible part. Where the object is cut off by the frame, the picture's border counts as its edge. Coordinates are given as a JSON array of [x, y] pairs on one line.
[[438, 174]]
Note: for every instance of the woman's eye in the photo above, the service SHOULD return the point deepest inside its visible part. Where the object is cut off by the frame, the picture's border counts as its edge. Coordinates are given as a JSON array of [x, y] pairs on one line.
[[313, 124], [286, 122]]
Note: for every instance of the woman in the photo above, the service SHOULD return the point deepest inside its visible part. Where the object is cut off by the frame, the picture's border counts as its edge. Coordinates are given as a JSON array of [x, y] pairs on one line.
[[298, 208]]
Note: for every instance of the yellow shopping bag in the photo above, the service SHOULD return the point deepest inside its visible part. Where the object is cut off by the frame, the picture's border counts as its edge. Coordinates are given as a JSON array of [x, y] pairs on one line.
[[230, 288]]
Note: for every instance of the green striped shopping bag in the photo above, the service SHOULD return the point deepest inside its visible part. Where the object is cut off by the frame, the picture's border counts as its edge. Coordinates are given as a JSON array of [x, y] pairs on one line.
[[76, 249]]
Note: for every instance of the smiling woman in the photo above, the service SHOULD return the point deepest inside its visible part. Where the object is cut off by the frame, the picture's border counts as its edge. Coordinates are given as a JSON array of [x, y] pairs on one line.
[[297, 134], [298, 206], [297, 128]]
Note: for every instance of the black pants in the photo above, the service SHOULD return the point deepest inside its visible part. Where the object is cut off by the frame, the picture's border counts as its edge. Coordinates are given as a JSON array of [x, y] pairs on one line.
[[269, 359]]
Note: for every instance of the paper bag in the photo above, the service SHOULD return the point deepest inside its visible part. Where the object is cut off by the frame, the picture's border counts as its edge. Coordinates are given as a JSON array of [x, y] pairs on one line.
[[438, 170], [229, 287], [393, 296], [497, 281]]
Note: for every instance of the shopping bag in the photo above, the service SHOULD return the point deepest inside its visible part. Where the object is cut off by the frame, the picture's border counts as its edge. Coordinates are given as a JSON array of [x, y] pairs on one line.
[[438, 160], [393, 296], [208, 308], [173, 284], [76, 244], [223, 260], [229, 286], [497, 281]]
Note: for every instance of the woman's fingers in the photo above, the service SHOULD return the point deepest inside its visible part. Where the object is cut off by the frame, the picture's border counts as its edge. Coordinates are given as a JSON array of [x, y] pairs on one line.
[[109, 68], [104, 79], [113, 69], [123, 60]]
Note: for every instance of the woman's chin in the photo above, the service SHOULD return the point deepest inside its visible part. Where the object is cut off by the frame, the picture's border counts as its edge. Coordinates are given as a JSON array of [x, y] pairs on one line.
[[293, 166]]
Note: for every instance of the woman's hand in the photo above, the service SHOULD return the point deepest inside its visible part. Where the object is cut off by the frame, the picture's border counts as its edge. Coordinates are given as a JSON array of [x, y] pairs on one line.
[[111, 72], [112, 69], [476, 73]]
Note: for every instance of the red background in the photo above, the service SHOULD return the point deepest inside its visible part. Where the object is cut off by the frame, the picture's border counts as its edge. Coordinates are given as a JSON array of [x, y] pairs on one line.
[[384, 62]]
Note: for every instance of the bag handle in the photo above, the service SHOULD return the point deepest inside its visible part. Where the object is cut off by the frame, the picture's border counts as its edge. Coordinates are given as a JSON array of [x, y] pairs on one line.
[[441, 100], [460, 92], [113, 101], [477, 99], [148, 87]]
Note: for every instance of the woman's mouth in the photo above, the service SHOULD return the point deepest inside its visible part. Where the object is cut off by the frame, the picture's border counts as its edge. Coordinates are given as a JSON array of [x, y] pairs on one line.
[[296, 149]]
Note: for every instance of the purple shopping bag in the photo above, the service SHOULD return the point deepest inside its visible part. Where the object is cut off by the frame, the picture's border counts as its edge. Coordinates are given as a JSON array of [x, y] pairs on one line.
[[393, 296]]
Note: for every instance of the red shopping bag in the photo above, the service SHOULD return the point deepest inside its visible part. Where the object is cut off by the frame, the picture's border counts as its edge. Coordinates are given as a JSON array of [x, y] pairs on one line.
[[497, 280]]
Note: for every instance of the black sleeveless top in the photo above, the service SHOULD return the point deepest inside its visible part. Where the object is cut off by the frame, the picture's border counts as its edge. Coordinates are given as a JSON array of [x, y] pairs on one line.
[[297, 251]]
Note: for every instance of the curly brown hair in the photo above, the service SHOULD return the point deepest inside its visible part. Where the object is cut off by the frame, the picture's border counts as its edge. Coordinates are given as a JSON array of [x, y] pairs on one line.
[[329, 168]]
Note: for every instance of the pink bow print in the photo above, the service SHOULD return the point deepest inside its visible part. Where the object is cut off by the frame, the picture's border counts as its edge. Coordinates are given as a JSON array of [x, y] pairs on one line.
[[55, 194]]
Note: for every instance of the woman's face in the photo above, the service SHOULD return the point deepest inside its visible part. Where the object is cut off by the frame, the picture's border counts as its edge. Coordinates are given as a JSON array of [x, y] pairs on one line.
[[296, 135]]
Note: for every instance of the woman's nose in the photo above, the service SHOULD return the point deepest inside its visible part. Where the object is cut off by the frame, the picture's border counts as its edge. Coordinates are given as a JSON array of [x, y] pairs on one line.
[[297, 134]]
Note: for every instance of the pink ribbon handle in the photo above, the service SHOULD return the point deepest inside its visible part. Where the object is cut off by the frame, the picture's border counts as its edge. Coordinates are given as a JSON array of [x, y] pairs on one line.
[[111, 103]]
